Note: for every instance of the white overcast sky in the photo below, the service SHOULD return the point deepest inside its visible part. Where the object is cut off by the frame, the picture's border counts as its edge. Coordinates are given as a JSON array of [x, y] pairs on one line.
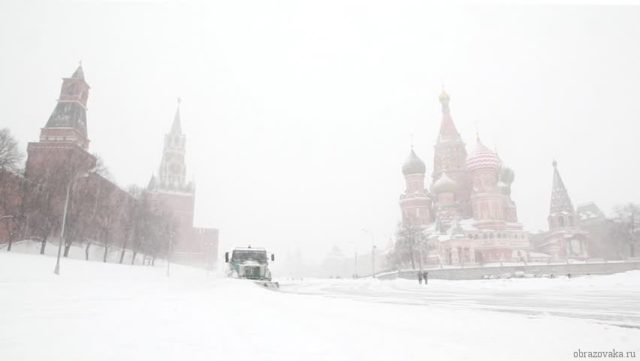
[[298, 115]]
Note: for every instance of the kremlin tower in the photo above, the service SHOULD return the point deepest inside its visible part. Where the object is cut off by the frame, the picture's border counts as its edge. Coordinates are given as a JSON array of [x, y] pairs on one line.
[[63, 147], [172, 192], [68, 121]]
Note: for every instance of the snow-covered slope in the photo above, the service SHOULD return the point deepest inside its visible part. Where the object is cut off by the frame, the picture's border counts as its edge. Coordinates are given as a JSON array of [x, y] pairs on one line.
[[97, 311]]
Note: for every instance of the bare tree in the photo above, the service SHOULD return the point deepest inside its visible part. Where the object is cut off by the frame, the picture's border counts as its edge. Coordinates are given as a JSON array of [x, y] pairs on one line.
[[626, 229], [409, 239], [10, 156], [11, 183], [130, 223], [44, 202]]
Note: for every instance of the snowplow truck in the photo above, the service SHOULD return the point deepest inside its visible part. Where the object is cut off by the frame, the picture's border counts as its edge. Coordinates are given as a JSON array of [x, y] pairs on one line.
[[250, 263]]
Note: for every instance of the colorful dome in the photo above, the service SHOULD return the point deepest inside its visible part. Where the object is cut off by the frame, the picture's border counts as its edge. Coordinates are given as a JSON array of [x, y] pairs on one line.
[[444, 184], [483, 158], [413, 165]]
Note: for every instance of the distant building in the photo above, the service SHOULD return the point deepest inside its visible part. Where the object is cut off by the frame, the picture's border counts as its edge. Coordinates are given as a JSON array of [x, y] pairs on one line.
[[601, 242], [63, 146], [172, 191], [565, 238], [467, 215], [57, 160], [31, 205]]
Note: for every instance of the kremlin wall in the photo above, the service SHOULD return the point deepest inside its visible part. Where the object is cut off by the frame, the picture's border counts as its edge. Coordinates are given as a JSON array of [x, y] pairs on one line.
[[100, 212]]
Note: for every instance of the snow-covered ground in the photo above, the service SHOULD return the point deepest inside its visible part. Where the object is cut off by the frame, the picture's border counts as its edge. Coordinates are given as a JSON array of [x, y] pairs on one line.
[[612, 300], [97, 311]]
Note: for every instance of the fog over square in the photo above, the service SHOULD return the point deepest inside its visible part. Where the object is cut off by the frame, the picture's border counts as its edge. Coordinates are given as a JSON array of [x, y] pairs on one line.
[[298, 117]]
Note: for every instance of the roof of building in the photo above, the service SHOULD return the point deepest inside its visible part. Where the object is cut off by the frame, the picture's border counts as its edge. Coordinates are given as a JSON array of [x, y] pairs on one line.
[[413, 164], [483, 158], [588, 211], [444, 184], [560, 200], [79, 73], [448, 129], [69, 115], [176, 127]]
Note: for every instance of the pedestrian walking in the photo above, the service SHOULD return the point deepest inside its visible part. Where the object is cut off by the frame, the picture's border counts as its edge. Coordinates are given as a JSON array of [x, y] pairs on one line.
[[420, 277], [426, 277]]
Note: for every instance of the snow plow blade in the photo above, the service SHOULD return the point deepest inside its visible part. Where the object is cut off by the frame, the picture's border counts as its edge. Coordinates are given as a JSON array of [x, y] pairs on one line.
[[268, 284]]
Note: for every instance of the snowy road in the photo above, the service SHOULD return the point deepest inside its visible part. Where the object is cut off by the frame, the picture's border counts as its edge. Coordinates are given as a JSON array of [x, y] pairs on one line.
[[616, 303], [105, 312]]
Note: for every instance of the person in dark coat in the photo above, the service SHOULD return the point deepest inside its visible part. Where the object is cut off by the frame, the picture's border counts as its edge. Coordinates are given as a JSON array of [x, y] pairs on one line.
[[426, 277], [420, 277]]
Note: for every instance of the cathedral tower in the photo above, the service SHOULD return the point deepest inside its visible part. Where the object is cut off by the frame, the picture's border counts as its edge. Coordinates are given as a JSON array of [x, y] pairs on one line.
[[565, 239], [450, 156], [486, 198], [414, 202], [561, 212]]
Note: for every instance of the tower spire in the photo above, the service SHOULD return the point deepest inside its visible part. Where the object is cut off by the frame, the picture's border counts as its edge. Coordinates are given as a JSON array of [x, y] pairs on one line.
[[176, 127], [172, 173], [68, 121], [447, 127], [79, 73], [560, 201]]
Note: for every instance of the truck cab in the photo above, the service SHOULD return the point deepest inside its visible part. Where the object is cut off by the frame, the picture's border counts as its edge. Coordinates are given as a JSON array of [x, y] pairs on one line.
[[249, 263]]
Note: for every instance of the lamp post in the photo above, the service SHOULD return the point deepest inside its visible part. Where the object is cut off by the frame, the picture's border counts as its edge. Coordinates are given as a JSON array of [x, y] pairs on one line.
[[355, 259], [169, 250], [64, 217]]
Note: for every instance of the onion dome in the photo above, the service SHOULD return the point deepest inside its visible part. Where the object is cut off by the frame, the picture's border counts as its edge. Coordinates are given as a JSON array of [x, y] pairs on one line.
[[507, 175], [483, 158], [413, 165], [444, 184]]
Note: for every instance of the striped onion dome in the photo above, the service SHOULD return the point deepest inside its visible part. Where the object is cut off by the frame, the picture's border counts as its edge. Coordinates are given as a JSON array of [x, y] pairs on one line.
[[483, 158]]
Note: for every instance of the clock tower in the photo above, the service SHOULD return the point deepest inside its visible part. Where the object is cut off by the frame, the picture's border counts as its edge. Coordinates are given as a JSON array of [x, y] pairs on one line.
[[172, 172], [173, 193]]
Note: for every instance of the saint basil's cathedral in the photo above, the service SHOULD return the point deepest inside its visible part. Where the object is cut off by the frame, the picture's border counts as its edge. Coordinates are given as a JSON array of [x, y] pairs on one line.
[[467, 214]]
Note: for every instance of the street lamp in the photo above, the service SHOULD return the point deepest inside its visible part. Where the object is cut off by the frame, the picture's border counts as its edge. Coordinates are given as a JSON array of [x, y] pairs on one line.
[[64, 216], [169, 250], [355, 259]]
